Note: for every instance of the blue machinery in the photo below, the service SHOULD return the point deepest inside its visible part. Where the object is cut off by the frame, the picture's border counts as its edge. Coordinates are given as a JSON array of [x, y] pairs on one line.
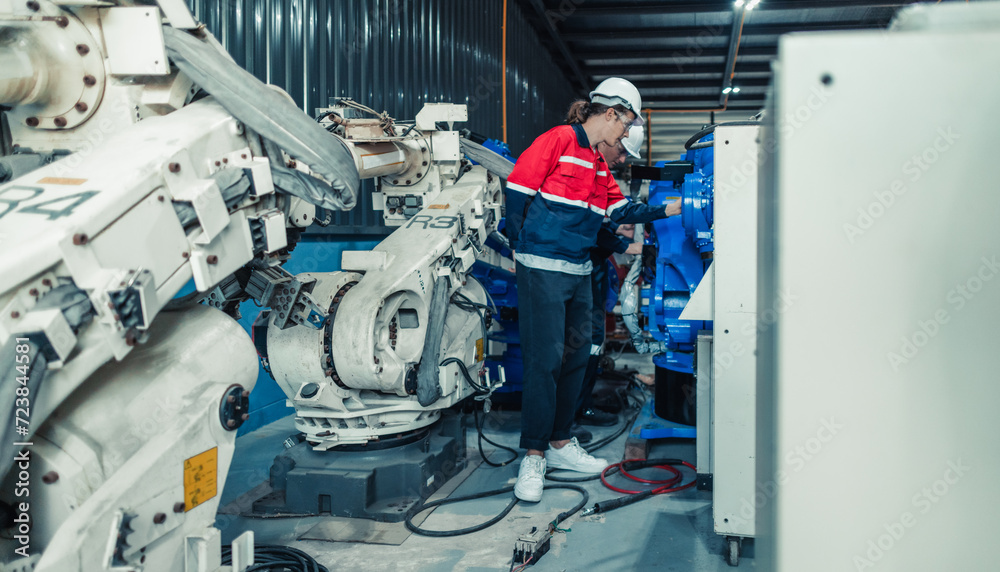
[[684, 248]]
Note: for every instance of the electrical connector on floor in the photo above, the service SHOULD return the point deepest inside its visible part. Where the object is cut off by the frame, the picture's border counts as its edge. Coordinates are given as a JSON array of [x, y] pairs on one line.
[[531, 545]]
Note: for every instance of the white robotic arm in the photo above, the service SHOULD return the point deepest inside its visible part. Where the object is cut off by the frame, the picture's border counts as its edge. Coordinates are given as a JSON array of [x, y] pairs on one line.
[[120, 191]]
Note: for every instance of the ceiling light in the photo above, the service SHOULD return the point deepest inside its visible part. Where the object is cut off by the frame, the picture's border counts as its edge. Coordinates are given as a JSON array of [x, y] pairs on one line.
[[739, 3], [727, 90], [736, 90], [752, 4]]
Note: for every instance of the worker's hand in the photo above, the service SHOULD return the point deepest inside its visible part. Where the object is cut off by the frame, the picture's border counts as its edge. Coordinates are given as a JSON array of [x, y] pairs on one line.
[[674, 208], [634, 248]]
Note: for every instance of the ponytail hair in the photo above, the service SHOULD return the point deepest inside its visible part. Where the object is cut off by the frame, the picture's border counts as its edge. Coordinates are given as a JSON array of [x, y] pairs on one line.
[[581, 110]]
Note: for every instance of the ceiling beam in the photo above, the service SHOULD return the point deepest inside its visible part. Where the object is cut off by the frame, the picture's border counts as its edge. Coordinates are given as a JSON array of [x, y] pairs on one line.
[[696, 83], [666, 72], [748, 30], [758, 51], [606, 10]]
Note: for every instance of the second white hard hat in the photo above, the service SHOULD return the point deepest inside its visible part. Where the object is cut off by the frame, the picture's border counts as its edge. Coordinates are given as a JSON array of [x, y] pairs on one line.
[[633, 143], [618, 91]]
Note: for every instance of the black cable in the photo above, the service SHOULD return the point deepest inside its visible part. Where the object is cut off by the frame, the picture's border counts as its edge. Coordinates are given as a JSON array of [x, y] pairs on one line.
[[480, 389], [514, 500], [277, 558], [482, 437], [688, 144]]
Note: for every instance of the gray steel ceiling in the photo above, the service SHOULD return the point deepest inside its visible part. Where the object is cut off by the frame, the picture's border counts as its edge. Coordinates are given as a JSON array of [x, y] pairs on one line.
[[679, 53]]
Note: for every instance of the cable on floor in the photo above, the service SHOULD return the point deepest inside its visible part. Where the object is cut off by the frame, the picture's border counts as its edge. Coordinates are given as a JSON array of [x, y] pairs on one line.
[[514, 500], [277, 559]]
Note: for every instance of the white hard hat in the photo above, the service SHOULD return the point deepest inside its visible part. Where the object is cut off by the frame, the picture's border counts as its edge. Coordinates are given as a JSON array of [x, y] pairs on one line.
[[633, 143], [618, 91]]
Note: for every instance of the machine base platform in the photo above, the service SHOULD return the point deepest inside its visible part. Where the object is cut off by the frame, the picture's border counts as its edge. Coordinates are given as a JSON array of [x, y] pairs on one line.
[[383, 485], [648, 426]]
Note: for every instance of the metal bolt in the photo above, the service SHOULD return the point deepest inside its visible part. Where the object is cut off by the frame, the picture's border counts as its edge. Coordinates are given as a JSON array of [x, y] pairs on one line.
[[60, 121], [160, 198], [178, 507], [424, 164], [212, 259], [245, 416], [243, 156], [80, 106], [89, 81], [31, 122], [225, 160], [186, 254], [79, 239], [33, 292], [407, 181], [245, 394], [15, 314], [395, 181], [62, 21], [231, 399], [174, 167], [46, 282], [50, 477], [34, 6], [159, 518], [230, 423], [218, 164], [82, 49]]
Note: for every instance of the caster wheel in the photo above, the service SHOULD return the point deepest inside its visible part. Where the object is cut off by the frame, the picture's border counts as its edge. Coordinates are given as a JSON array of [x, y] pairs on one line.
[[733, 552]]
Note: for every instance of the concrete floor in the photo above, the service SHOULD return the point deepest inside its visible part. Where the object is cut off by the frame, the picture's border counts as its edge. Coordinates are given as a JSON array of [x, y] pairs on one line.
[[669, 532]]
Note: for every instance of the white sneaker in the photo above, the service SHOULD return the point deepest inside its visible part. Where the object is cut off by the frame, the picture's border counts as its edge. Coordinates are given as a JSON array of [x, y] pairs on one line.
[[530, 478], [572, 457]]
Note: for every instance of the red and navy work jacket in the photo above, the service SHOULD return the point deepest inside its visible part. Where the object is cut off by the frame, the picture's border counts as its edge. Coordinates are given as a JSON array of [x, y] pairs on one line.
[[557, 196]]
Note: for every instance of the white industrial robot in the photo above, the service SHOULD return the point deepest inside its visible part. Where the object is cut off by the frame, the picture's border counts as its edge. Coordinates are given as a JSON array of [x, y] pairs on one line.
[[139, 157]]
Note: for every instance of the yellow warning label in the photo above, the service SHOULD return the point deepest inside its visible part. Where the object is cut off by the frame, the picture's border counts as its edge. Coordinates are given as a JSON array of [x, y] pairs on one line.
[[437, 206], [201, 477], [61, 181], [479, 349]]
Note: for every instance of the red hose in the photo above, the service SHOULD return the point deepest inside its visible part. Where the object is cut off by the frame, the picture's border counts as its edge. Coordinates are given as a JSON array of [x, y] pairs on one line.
[[666, 485]]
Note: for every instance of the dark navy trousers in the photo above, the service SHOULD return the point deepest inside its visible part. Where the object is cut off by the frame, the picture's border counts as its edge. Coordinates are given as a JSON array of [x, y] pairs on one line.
[[599, 292], [554, 311]]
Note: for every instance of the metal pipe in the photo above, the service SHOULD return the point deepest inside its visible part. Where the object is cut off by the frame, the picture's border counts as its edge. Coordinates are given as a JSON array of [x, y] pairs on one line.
[[20, 78], [382, 159]]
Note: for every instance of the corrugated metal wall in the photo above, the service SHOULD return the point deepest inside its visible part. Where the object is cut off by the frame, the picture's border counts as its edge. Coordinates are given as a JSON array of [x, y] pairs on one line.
[[396, 55]]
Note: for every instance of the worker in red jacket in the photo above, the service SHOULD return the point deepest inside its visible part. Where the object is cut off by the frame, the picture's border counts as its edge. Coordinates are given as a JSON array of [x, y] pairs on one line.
[[557, 196]]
